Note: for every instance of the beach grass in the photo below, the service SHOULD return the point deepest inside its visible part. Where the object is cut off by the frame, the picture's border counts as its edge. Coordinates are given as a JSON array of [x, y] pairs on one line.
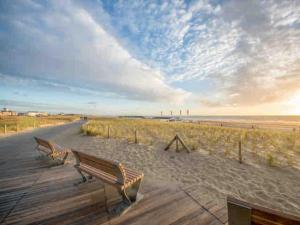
[[275, 147], [19, 123]]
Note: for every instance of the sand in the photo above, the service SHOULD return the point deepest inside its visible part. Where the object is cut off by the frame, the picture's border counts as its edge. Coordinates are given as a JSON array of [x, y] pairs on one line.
[[205, 177]]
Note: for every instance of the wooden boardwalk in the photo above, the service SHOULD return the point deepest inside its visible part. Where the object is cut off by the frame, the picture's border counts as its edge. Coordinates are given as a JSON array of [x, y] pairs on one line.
[[33, 191]]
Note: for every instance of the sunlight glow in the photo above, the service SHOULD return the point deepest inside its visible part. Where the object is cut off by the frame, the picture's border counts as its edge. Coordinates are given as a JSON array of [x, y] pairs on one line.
[[294, 102]]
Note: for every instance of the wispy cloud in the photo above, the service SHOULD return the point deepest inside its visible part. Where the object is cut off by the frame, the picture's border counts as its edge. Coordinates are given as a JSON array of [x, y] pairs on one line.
[[64, 43], [150, 50], [241, 46]]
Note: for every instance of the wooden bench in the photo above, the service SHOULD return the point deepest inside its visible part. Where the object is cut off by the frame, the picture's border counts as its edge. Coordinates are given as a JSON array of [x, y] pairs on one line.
[[51, 150], [243, 213], [125, 180]]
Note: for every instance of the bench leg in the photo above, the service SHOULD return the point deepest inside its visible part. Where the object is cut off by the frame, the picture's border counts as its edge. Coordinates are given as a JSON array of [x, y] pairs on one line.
[[38, 150], [129, 198], [65, 157], [115, 207], [51, 155], [125, 197], [132, 190], [83, 177]]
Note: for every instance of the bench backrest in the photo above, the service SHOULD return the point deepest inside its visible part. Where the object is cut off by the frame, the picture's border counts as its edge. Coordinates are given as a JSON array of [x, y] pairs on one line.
[[111, 168], [44, 143], [244, 213]]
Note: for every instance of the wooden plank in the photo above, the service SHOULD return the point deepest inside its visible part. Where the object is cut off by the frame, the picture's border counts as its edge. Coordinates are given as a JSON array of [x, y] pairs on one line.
[[31, 191], [240, 211]]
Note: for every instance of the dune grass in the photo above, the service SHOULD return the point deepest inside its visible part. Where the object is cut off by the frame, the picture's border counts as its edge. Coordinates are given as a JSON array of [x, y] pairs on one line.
[[19, 123], [275, 147]]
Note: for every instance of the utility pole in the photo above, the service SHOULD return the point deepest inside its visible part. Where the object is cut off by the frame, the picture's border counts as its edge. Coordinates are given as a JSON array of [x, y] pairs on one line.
[[188, 112], [180, 112], [171, 112]]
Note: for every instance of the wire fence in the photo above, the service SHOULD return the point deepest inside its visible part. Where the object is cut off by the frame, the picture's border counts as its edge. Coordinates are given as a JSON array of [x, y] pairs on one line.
[[276, 148]]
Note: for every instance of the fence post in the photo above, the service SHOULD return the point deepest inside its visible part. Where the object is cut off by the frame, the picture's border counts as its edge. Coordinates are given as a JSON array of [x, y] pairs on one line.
[[17, 127], [177, 148], [240, 151], [4, 128], [108, 131], [135, 136]]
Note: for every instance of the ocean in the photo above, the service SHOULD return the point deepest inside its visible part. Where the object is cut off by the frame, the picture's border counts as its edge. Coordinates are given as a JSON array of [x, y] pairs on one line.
[[252, 119]]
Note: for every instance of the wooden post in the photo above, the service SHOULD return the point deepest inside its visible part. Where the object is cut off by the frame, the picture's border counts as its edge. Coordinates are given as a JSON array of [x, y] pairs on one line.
[[177, 149], [108, 131], [4, 128], [178, 139], [240, 151], [171, 142], [135, 136]]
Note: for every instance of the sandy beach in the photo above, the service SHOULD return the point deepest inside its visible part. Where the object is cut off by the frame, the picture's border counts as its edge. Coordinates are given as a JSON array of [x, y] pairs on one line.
[[205, 177]]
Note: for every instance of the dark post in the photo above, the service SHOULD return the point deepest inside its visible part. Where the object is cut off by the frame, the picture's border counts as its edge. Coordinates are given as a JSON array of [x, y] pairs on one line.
[[240, 151], [108, 131], [177, 149], [135, 136]]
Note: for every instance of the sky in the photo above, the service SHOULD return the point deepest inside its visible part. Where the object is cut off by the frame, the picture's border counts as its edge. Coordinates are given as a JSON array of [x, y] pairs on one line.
[[137, 57]]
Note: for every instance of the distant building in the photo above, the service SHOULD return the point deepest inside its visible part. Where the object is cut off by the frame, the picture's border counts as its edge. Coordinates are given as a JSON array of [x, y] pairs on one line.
[[34, 113], [7, 112]]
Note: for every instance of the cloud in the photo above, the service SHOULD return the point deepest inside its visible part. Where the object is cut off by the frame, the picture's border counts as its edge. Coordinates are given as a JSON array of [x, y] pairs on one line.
[[141, 50], [270, 42], [63, 43], [241, 46]]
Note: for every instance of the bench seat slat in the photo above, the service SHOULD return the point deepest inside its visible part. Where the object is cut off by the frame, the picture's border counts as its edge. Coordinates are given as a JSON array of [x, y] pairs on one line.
[[44, 149], [131, 178], [97, 166], [52, 149], [99, 174], [59, 148], [107, 170], [95, 159]]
